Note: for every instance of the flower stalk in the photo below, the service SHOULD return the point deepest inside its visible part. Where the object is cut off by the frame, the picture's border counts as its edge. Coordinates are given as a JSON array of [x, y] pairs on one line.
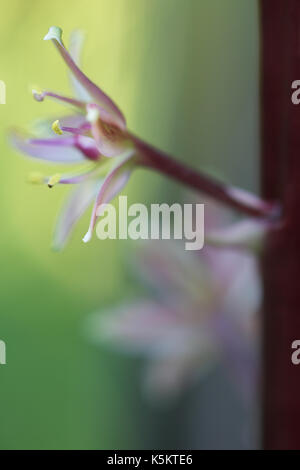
[[244, 202], [280, 169]]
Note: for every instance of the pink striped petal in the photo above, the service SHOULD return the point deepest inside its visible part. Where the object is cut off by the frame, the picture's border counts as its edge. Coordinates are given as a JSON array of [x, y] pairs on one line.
[[77, 203], [87, 146], [55, 34], [60, 150], [112, 185], [76, 42]]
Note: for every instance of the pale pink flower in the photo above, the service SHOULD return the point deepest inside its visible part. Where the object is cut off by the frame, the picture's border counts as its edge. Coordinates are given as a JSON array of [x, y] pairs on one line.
[[202, 310], [91, 135]]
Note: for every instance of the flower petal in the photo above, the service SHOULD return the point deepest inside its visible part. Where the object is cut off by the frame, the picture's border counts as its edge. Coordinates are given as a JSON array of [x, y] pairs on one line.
[[177, 352], [112, 185], [246, 234], [87, 146], [243, 297], [60, 150], [110, 140], [74, 208], [141, 326], [55, 34], [76, 42]]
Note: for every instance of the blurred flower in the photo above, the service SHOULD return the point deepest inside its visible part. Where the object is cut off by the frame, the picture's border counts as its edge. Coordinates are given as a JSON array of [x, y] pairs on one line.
[[93, 133], [203, 310]]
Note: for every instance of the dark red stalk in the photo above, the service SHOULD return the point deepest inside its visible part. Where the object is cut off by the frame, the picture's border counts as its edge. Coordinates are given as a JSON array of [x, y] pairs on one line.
[[236, 198], [281, 181]]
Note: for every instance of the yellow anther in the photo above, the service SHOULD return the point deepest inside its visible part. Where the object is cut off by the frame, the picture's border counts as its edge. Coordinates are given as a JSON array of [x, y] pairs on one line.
[[54, 180], [36, 178], [56, 128]]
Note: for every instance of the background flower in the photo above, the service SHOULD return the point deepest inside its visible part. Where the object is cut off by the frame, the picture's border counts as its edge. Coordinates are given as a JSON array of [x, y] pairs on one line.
[[203, 309]]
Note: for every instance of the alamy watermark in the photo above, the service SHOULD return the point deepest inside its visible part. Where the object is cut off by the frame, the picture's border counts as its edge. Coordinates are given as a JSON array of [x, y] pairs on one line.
[[2, 353], [2, 92], [163, 221], [295, 358]]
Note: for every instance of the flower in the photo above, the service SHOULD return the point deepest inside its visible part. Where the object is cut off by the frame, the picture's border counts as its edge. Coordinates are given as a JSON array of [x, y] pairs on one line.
[[96, 134], [202, 311], [91, 135]]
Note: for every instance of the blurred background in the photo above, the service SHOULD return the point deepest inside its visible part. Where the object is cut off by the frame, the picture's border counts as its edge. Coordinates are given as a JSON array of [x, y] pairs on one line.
[[185, 73]]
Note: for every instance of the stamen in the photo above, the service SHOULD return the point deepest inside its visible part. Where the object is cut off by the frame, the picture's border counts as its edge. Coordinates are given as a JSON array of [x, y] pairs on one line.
[[54, 180], [54, 33], [56, 127], [74, 130], [40, 96]]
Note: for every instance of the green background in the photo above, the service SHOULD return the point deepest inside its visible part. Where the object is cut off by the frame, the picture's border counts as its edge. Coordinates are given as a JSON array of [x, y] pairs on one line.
[[185, 74]]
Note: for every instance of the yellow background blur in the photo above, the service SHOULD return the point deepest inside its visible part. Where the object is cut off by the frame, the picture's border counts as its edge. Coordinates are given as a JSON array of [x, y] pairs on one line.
[[185, 74]]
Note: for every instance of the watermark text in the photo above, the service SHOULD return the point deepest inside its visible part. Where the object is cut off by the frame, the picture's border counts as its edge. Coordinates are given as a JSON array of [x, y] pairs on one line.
[[2, 353], [163, 221]]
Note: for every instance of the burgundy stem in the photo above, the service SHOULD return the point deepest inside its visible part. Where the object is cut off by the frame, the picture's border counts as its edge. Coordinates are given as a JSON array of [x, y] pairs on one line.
[[281, 263], [235, 198]]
